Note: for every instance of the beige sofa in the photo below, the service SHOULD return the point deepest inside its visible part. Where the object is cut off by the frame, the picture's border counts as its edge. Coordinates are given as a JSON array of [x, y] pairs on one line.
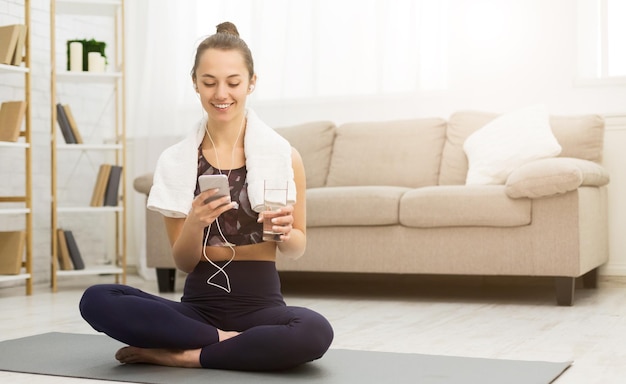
[[390, 197]]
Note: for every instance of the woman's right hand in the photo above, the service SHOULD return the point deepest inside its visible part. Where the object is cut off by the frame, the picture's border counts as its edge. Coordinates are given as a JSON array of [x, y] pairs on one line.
[[205, 210], [186, 234]]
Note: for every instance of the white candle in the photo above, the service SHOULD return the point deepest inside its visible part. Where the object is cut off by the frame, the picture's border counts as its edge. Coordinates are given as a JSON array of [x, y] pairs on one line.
[[76, 56], [95, 62], [102, 64]]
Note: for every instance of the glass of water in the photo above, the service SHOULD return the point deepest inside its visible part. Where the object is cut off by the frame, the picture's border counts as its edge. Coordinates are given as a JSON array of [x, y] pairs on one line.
[[274, 197]]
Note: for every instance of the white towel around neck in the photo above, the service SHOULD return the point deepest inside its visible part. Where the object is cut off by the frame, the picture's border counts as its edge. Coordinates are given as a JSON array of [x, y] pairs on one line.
[[268, 156]]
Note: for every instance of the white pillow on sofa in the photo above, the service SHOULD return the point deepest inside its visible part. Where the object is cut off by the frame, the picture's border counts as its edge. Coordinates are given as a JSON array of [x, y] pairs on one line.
[[507, 142]]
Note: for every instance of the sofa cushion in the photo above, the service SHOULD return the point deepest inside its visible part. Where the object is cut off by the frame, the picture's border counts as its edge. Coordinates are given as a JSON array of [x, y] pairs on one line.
[[143, 183], [507, 142], [579, 136], [463, 206], [353, 206], [549, 177], [403, 153], [314, 142]]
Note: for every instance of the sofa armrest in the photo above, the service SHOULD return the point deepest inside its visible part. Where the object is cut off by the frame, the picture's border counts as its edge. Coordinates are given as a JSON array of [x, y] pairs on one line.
[[553, 176], [143, 183]]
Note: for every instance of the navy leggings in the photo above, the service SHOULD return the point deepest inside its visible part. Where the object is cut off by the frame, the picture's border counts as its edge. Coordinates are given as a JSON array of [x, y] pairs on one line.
[[273, 336]]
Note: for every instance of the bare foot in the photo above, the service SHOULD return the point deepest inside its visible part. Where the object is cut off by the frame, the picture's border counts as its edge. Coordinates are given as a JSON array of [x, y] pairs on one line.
[[167, 357]]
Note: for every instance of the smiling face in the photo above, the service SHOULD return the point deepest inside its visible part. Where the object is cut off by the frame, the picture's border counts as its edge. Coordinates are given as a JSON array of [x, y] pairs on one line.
[[223, 82]]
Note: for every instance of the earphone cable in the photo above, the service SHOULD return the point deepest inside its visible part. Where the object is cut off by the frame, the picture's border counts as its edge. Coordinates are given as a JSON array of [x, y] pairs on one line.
[[227, 288], [232, 248]]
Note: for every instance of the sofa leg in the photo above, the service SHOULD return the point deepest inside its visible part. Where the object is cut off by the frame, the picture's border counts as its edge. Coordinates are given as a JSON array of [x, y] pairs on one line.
[[166, 278], [565, 291], [590, 279]]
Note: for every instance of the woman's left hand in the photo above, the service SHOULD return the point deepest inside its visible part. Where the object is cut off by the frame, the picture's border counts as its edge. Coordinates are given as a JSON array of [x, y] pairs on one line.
[[282, 220]]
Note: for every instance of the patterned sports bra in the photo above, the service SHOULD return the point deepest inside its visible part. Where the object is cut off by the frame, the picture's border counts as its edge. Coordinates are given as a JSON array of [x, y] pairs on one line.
[[239, 226]]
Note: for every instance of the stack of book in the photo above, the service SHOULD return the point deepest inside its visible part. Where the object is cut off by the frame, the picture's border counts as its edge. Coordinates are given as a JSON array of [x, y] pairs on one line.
[[67, 124], [67, 251], [12, 245], [12, 41], [11, 119], [106, 190]]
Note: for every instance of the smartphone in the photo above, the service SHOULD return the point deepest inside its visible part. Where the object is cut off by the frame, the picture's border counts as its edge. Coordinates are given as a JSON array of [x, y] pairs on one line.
[[219, 182]]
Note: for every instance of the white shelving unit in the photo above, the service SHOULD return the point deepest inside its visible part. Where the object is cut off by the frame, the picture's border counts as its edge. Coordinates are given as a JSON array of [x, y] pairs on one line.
[[114, 148], [13, 69], [24, 201], [89, 78]]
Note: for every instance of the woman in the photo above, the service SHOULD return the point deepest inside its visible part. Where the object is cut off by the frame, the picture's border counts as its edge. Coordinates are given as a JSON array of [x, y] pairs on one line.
[[232, 314]]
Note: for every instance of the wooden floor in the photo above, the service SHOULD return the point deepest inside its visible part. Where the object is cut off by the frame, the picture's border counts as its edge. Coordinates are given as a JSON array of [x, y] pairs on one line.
[[505, 318]]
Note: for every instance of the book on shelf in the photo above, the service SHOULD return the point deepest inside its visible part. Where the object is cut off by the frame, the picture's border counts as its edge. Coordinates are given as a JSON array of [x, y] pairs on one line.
[[72, 123], [18, 55], [64, 125], [72, 247], [11, 119], [12, 245], [63, 252], [97, 196], [111, 195], [9, 35]]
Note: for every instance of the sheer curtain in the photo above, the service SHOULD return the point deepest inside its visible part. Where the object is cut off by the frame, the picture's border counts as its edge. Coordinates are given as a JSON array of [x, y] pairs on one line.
[[157, 36], [337, 48], [305, 49], [159, 40]]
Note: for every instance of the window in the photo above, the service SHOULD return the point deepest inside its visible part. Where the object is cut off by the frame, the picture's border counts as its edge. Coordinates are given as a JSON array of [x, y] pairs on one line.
[[601, 41], [334, 48]]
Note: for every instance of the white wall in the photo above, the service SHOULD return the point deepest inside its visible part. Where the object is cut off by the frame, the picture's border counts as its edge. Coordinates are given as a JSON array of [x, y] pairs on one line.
[[614, 159]]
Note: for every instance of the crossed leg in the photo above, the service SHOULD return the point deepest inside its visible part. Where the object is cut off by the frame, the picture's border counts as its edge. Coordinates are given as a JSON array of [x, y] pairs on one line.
[[165, 332]]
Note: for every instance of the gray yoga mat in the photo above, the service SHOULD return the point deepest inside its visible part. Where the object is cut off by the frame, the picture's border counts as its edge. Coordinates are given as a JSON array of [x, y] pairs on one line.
[[91, 356]]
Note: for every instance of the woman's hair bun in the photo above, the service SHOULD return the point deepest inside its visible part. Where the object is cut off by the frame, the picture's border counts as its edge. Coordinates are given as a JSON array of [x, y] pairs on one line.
[[226, 38], [227, 27]]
